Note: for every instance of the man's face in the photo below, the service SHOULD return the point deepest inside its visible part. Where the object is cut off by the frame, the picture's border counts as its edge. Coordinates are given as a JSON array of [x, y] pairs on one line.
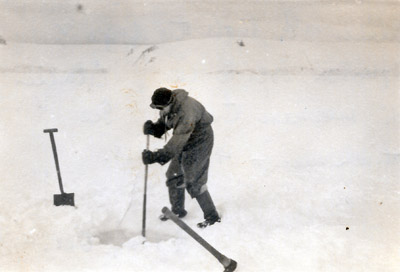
[[166, 109]]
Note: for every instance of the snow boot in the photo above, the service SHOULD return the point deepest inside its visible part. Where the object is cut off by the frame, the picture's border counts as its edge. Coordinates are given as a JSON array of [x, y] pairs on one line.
[[210, 213], [208, 222], [177, 200]]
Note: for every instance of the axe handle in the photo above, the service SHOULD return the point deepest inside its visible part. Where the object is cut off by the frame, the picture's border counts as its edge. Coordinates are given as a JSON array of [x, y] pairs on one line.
[[225, 261]]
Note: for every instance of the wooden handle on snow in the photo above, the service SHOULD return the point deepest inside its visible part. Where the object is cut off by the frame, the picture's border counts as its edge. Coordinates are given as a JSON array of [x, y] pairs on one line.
[[229, 264]]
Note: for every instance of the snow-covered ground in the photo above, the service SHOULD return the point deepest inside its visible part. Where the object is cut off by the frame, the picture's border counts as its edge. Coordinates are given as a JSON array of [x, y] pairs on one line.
[[305, 168]]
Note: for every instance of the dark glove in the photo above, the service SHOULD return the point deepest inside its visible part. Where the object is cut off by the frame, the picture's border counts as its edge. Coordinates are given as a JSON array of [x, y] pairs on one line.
[[148, 128], [149, 157]]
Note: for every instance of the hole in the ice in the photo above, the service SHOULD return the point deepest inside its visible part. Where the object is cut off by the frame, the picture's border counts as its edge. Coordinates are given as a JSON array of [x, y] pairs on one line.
[[114, 237]]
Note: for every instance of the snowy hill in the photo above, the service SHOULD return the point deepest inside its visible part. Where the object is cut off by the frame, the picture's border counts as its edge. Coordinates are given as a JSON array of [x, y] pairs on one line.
[[305, 167]]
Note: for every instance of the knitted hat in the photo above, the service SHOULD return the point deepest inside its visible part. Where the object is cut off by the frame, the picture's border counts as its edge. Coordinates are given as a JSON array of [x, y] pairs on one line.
[[161, 97]]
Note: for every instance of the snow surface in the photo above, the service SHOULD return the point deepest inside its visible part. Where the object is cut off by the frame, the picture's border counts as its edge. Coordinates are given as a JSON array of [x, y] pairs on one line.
[[305, 167]]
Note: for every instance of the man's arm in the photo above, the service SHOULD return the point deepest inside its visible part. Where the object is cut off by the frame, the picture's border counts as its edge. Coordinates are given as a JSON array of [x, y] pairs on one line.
[[156, 129], [182, 132], [159, 128]]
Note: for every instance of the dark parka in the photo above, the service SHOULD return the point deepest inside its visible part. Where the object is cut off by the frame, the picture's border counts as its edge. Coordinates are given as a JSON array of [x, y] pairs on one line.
[[190, 147]]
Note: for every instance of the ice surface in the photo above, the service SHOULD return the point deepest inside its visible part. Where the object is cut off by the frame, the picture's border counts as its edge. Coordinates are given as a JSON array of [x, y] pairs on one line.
[[305, 167]]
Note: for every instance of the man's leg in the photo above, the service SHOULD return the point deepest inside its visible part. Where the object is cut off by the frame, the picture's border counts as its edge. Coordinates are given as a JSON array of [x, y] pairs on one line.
[[195, 162], [176, 195], [196, 186], [207, 206], [177, 200]]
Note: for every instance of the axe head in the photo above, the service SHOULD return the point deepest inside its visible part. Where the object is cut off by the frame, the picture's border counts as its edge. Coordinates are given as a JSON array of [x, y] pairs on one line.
[[64, 199]]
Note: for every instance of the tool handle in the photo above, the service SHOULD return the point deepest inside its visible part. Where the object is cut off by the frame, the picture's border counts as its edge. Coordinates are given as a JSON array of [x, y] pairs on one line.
[[53, 145], [146, 170], [229, 264], [50, 130]]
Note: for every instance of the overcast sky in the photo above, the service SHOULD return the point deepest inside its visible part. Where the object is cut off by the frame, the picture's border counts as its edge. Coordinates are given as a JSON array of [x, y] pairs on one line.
[[117, 21]]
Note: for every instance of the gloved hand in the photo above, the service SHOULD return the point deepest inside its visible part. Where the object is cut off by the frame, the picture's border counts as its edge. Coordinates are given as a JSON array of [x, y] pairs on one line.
[[148, 157], [160, 156], [148, 128]]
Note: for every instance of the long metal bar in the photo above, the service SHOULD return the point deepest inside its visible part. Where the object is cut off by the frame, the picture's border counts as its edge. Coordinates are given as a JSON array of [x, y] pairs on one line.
[[146, 170]]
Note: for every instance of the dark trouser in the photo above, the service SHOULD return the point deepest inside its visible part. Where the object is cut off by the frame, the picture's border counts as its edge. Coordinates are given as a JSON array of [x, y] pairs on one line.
[[207, 206], [177, 196], [190, 169], [177, 200]]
